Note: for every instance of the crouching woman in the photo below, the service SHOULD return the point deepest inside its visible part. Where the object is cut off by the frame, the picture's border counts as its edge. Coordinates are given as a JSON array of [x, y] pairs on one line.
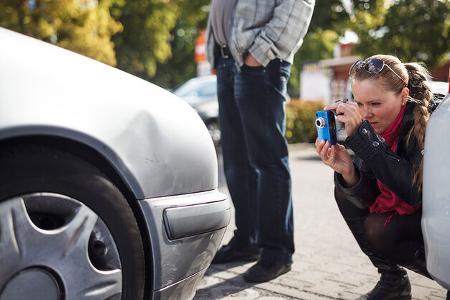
[[378, 192]]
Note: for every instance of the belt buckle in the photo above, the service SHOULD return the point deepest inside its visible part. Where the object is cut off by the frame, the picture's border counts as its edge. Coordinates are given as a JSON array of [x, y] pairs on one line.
[[222, 52]]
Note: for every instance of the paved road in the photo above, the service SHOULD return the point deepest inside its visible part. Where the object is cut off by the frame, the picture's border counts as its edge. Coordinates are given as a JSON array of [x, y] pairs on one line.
[[327, 263]]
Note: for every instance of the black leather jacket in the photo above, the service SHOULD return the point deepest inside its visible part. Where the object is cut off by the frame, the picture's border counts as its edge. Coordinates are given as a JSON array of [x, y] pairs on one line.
[[374, 160]]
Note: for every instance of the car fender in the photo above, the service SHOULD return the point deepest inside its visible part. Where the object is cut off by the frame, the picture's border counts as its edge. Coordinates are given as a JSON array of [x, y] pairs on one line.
[[144, 131]]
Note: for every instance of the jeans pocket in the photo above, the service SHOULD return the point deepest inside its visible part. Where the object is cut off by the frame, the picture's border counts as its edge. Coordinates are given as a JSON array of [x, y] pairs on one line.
[[278, 74], [285, 70]]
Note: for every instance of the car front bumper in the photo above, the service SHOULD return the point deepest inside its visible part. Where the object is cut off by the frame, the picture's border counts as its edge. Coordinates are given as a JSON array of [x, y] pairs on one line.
[[185, 232]]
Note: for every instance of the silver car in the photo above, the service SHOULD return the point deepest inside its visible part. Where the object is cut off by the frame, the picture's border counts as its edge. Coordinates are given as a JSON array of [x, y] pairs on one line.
[[108, 184], [436, 194]]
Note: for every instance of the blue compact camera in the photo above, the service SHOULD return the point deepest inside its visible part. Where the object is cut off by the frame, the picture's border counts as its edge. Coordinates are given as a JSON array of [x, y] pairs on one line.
[[326, 126]]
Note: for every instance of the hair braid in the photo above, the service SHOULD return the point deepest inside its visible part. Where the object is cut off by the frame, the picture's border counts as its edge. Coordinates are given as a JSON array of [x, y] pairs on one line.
[[421, 94]]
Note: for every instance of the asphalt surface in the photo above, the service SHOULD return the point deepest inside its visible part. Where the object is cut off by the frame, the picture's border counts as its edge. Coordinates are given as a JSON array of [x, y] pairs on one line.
[[327, 263]]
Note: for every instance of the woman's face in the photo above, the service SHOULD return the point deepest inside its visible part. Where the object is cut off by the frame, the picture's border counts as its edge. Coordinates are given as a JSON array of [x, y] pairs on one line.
[[376, 104]]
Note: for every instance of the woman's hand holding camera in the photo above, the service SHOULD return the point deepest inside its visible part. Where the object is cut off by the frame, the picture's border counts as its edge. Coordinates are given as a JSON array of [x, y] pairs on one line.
[[336, 156], [347, 113], [338, 159]]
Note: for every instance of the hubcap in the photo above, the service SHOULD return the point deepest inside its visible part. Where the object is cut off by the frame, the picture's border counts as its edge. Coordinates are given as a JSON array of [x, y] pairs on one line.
[[56, 245], [36, 281]]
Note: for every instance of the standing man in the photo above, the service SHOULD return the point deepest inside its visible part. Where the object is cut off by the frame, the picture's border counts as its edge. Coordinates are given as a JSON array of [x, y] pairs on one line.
[[251, 44]]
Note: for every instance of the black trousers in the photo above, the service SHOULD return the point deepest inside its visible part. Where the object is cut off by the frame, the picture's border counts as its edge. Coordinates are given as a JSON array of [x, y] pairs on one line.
[[388, 239]]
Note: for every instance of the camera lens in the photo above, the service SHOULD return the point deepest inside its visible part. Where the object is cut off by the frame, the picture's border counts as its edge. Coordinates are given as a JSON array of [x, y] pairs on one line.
[[320, 122]]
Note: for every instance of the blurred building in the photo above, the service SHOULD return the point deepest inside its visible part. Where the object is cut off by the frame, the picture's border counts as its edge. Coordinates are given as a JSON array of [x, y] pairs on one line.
[[441, 73], [327, 80]]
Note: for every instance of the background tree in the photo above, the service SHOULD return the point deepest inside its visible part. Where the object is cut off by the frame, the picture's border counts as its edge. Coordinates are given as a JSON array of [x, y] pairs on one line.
[[85, 28], [329, 24], [413, 30], [147, 28], [192, 20], [154, 39]]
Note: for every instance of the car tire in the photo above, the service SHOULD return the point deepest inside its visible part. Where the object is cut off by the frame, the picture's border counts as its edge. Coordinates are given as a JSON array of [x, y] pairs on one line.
[[75, 190]]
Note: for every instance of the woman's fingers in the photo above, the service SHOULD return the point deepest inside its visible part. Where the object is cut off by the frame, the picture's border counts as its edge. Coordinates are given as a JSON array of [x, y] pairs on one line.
[[319, 144], [331, 106], [348, 113], [349, 108], [331, 154], [340, 147], [324, 152]]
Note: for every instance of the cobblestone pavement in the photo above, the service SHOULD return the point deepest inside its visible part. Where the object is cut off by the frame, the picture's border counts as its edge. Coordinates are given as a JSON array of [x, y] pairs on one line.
[[327, 263]]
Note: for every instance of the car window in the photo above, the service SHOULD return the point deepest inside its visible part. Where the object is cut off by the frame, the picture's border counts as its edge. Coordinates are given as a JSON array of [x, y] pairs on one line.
[[196, 88], [439, 87]]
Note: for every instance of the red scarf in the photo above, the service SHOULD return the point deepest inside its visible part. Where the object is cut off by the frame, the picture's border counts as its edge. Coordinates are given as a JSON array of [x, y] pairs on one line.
[[387, 200]]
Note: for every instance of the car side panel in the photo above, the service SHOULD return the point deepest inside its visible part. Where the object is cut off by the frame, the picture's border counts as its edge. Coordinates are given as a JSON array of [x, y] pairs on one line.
[[436, 195]]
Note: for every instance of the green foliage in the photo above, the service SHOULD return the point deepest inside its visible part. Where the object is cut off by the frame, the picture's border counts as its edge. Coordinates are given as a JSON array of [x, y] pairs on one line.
[[322, 35], [300, 121], [328, 15], [85, 28], [154, 39], [413, 30], [144, 41], [193, 18]]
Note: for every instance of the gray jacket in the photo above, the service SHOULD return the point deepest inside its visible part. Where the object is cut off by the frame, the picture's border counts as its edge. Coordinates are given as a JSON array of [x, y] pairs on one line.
[[267, 29]]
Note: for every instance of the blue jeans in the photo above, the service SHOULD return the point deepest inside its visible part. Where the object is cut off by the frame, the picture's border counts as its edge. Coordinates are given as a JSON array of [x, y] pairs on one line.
[[255, 154]]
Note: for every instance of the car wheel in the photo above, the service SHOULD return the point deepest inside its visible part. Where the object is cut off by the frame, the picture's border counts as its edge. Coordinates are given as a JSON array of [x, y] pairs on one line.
[[214, 131], [66, 232]]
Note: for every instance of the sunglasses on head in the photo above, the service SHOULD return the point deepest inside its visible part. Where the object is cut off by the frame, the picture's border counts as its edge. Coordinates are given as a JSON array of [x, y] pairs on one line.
[[372, 66]]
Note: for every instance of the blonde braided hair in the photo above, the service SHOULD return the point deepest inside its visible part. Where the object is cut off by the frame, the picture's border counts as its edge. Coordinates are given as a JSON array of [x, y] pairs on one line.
[[420, 93]]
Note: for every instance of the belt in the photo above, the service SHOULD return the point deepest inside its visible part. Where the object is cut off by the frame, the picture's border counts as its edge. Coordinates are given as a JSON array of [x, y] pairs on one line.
[[224, 51]]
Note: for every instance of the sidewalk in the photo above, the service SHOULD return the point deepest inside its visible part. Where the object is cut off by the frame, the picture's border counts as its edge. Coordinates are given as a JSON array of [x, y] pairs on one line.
[[327, 263]]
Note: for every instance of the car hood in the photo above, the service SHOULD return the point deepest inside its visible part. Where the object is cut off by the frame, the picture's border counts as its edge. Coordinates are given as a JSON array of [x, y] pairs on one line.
[[156, 142]]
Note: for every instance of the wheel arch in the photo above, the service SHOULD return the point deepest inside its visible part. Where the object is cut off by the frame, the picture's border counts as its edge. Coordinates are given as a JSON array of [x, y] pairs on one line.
[[94, 157]]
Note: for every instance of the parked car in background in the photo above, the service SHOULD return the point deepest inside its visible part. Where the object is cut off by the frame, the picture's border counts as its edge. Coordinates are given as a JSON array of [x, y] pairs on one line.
[[108, 184], [436, 193], [201, 94], [439, 87]]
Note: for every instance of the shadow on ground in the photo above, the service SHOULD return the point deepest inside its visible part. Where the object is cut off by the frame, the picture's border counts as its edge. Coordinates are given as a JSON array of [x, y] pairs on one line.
[[224, 288]]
